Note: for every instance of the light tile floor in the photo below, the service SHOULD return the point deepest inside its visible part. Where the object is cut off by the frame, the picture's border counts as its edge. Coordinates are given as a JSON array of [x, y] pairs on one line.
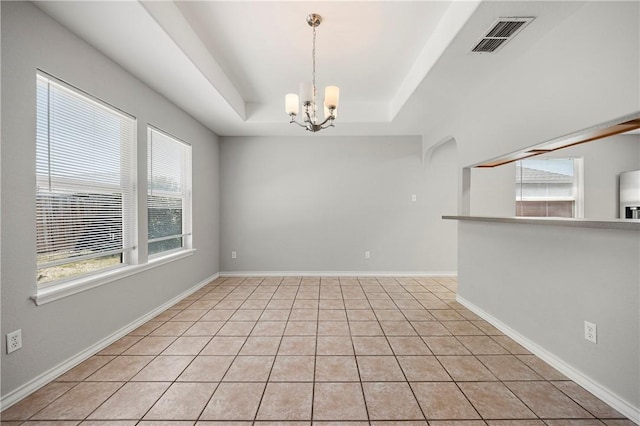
[[332, 351]]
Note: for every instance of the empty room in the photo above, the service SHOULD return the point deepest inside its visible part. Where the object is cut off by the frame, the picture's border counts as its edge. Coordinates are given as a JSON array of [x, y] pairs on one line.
[[320, 213]]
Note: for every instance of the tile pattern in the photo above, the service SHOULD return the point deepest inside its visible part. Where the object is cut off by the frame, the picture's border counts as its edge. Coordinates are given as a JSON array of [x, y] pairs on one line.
[[293, 351]]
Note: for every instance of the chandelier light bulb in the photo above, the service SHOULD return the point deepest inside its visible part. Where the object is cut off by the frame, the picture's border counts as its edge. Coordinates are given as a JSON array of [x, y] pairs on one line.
[[291, 104], [331, 95]]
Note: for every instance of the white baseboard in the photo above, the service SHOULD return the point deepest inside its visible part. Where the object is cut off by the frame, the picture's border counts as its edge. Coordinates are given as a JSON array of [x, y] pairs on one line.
[[33, 385], [338, 274], [580, 378]]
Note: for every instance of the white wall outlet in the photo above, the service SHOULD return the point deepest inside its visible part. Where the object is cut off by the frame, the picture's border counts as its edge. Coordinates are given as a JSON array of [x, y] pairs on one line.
[[14, 341], [590, 332], [413, 197], [367, 255], [234, 254]]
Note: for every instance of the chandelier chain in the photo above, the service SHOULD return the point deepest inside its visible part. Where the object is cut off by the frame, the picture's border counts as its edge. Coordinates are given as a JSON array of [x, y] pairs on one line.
[[313, 56]]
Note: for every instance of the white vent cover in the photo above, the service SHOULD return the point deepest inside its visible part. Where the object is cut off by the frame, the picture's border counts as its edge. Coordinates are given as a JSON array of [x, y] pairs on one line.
[[500, 33]]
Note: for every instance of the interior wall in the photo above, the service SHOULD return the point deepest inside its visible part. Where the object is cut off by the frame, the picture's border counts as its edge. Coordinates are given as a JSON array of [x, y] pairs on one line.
[[56, 331], [316, 204]]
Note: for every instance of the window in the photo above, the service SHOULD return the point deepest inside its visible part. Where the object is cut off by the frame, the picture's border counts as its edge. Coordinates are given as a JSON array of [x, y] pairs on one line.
[[549, 187], [169, 193], [85, 207]]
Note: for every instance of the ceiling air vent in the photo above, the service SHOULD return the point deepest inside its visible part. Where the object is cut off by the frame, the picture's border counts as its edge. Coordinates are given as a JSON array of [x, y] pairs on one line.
[[499, 33]]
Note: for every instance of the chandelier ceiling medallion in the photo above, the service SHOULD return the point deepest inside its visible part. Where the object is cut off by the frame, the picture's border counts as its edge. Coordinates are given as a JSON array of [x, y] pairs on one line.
[[308, 94]]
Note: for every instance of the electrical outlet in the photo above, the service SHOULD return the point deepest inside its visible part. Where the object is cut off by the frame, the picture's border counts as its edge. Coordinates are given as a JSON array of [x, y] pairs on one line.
[[14, 341], [367, 255], [413, 197], [234, 255], [590, 332]]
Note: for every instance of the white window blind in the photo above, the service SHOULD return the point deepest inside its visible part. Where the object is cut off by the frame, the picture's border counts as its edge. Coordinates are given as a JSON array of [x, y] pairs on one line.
[[169, 192], [85, 182]]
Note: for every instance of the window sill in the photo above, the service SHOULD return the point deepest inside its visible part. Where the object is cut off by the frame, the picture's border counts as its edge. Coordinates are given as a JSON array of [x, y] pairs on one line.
[[69, 288]]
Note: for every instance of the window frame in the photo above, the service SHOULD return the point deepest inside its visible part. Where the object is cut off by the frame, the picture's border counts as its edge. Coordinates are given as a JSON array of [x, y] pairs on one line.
[[68, 186], [577, 192]]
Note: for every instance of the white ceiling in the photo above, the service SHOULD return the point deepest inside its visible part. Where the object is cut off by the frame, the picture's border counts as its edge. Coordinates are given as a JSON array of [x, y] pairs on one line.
[[230, 63]]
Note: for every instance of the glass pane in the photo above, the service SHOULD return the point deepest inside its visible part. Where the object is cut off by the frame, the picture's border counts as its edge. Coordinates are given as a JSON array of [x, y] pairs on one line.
[[80, 267], [164, 216], [164, 245], [546, 187]]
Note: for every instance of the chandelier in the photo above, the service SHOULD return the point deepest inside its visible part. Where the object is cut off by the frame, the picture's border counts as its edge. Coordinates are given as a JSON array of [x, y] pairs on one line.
[[308, 94]]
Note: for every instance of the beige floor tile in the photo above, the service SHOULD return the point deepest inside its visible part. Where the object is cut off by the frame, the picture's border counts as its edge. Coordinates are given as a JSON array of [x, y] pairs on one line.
[[360, 314], [187, 345], [403, 345], [48, 423], [443, 401], [417, 315], [466, 368], [78, 402], [397, 328], [301, 328], [583, 397], [269, 328], [204, 328], [463, 328], [110, 423], [547, 401], [234, 401], [303, 315], [332, 304], [336, 369], [246, 315], [339, 401], [508, 367], [182, 401], [482, 345], [333, 328], [131, 401], [430, 328], [515, 423], [297, 345], [286, 401], [332, 315], [389, 315], [275, 315], [365, 328], [306, 304], [282, 304], [163, 369], [495, 401], [423, 369], [224, 345], [257, 304], [172, 328], [190, 315], [391, 401], [542, 368], [293, 368], [167, 315], [120, 345], [487, 328], [237, 328], [85, 369], [446, 315], [458, 423], [229, 304], [379, 369], [511, 345], [356, 304], [261, 345], [120, 369], [334, 345], [445, 345], [218, 315], [205, 368], [249, 369], [574, 422], [380, 304], [371, 346], [35, 402], [150, 345]]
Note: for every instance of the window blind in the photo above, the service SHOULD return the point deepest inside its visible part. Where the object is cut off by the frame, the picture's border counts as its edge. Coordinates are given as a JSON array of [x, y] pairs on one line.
[[168, 195], [84, 174]]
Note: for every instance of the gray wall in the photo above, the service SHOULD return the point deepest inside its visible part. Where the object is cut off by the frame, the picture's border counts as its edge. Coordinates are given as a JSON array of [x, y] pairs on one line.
[[545, 281], [316, 203], [54, 332]]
